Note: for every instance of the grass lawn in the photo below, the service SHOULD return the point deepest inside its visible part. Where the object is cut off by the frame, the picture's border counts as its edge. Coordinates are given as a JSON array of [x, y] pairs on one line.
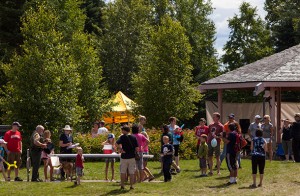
[[281, 178]]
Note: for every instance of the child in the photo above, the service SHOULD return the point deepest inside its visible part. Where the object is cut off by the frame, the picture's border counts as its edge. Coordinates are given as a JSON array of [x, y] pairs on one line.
[[2, 146], [45, 155], [167, 152], [231, 154], [110, 141], [199, 130], [202, 155], [258, 151], [79, 165]]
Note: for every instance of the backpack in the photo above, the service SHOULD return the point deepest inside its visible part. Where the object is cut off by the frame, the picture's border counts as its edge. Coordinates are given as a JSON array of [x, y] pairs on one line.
[[240, 143]]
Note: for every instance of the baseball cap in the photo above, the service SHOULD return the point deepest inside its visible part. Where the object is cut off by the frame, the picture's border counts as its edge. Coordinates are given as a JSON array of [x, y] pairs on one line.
[[231, 115], [110, 135], [16, 123], [2, 141], [257, 117]]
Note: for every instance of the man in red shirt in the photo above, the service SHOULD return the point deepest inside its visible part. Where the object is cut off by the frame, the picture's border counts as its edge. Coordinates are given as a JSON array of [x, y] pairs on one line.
[[14, 145], [199, 130], [215, 131]]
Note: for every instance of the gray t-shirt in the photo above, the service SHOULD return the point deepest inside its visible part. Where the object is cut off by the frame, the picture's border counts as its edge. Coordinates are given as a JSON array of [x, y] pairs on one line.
[[253, 127], [266, 130]]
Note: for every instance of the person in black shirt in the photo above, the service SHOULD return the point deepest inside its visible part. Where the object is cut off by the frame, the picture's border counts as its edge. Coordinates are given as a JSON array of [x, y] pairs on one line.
[[295, 131], [65, 140], [287, 140], [128, 146], [231, 154], [167, 151]]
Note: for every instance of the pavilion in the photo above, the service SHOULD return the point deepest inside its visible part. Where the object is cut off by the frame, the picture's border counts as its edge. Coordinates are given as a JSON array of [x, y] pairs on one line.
[[270, 75]]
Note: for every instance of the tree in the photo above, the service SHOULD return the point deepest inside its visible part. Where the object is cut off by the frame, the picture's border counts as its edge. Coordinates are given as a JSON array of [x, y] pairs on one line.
[[57, 77], [283, 18], [126, 31], [163, 83], [249, 40], [94, 16], [10, 36], [200, 29]]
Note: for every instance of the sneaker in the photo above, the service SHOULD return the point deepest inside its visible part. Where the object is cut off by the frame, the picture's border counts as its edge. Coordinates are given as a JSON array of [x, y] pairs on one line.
[[178, 170], [8, 179], [75, 183], [253, 186], [18, 179], [122, 188]]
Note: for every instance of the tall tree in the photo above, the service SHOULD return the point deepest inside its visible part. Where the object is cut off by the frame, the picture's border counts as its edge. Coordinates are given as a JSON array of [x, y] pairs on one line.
[[57, 77], [283, 18], [94, 16], [249, 40], [200, 29], [10, 36], [163, 84], [127, 26]]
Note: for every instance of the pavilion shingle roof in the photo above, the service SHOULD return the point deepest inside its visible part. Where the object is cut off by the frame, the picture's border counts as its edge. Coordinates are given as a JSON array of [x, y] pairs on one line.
[[280, 67]]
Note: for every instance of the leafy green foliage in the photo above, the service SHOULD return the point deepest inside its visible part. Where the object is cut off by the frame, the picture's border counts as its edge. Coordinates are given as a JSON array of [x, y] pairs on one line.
[[283, 18], [56, 80], [126, 31], [163, 84], [187, 147], [249, 40]]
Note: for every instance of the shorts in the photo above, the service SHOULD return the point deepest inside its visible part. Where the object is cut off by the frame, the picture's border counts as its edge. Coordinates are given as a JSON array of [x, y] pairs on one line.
[[110, 160], [202, 163], [139, 164], [127, 164], [79, 171], [176, 149], [145, 159], [14, 156], [231, 161], [216, 149]]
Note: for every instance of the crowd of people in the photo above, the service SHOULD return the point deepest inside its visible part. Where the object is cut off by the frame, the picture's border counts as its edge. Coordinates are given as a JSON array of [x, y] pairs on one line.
[[134, 143]]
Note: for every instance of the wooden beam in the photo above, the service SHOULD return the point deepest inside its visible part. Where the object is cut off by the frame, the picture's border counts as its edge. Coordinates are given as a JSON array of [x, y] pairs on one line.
[[220, 102], [278, 100], [272, 109]]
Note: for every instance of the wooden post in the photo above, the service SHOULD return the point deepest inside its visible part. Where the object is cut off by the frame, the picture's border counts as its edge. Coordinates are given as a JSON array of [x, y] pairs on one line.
[[272, 110], [278, 99], [220, 103]]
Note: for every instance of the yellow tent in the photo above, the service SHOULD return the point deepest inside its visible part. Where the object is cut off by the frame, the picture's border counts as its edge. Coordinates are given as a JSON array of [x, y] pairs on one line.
[[121, 112]]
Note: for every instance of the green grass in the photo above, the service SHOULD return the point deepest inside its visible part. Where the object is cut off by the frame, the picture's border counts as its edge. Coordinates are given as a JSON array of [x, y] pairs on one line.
[[280, 179]]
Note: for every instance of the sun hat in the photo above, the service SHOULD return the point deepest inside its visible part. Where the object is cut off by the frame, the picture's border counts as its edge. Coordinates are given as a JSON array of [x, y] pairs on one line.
[[67, 128]]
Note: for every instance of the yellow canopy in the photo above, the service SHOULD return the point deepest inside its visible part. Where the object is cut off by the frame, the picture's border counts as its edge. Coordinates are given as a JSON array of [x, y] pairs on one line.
[[121, 112]]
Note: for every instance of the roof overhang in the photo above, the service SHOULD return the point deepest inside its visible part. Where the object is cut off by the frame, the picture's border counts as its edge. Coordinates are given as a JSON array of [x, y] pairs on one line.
[[259, 85]]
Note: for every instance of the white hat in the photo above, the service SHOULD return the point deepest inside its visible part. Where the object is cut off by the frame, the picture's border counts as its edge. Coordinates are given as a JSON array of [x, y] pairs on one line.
[[67, 128], [2, 141], [257, 117]]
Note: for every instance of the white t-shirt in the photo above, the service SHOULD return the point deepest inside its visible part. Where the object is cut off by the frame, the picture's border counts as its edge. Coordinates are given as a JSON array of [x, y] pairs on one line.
[[102, 130]]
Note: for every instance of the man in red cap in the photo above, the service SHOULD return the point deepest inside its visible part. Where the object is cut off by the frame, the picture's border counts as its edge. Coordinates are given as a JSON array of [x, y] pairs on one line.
[[14, 145]]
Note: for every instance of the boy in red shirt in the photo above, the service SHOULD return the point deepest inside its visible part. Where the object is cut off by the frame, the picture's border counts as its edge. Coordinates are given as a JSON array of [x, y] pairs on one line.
[[14, 148], [199, 130], [79, 165]]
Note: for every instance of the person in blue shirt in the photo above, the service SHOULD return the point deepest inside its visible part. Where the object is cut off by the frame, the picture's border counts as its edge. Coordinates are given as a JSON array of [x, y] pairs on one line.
[[258, 151], [2, 148], [174, 130]]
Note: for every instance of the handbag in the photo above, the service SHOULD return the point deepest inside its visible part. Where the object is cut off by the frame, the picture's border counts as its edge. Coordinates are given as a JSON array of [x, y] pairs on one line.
[[137, 157]]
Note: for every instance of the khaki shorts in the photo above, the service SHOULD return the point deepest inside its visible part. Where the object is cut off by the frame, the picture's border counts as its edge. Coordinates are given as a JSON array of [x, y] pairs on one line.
[[127, 164], [14, 156], [216, 149]]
